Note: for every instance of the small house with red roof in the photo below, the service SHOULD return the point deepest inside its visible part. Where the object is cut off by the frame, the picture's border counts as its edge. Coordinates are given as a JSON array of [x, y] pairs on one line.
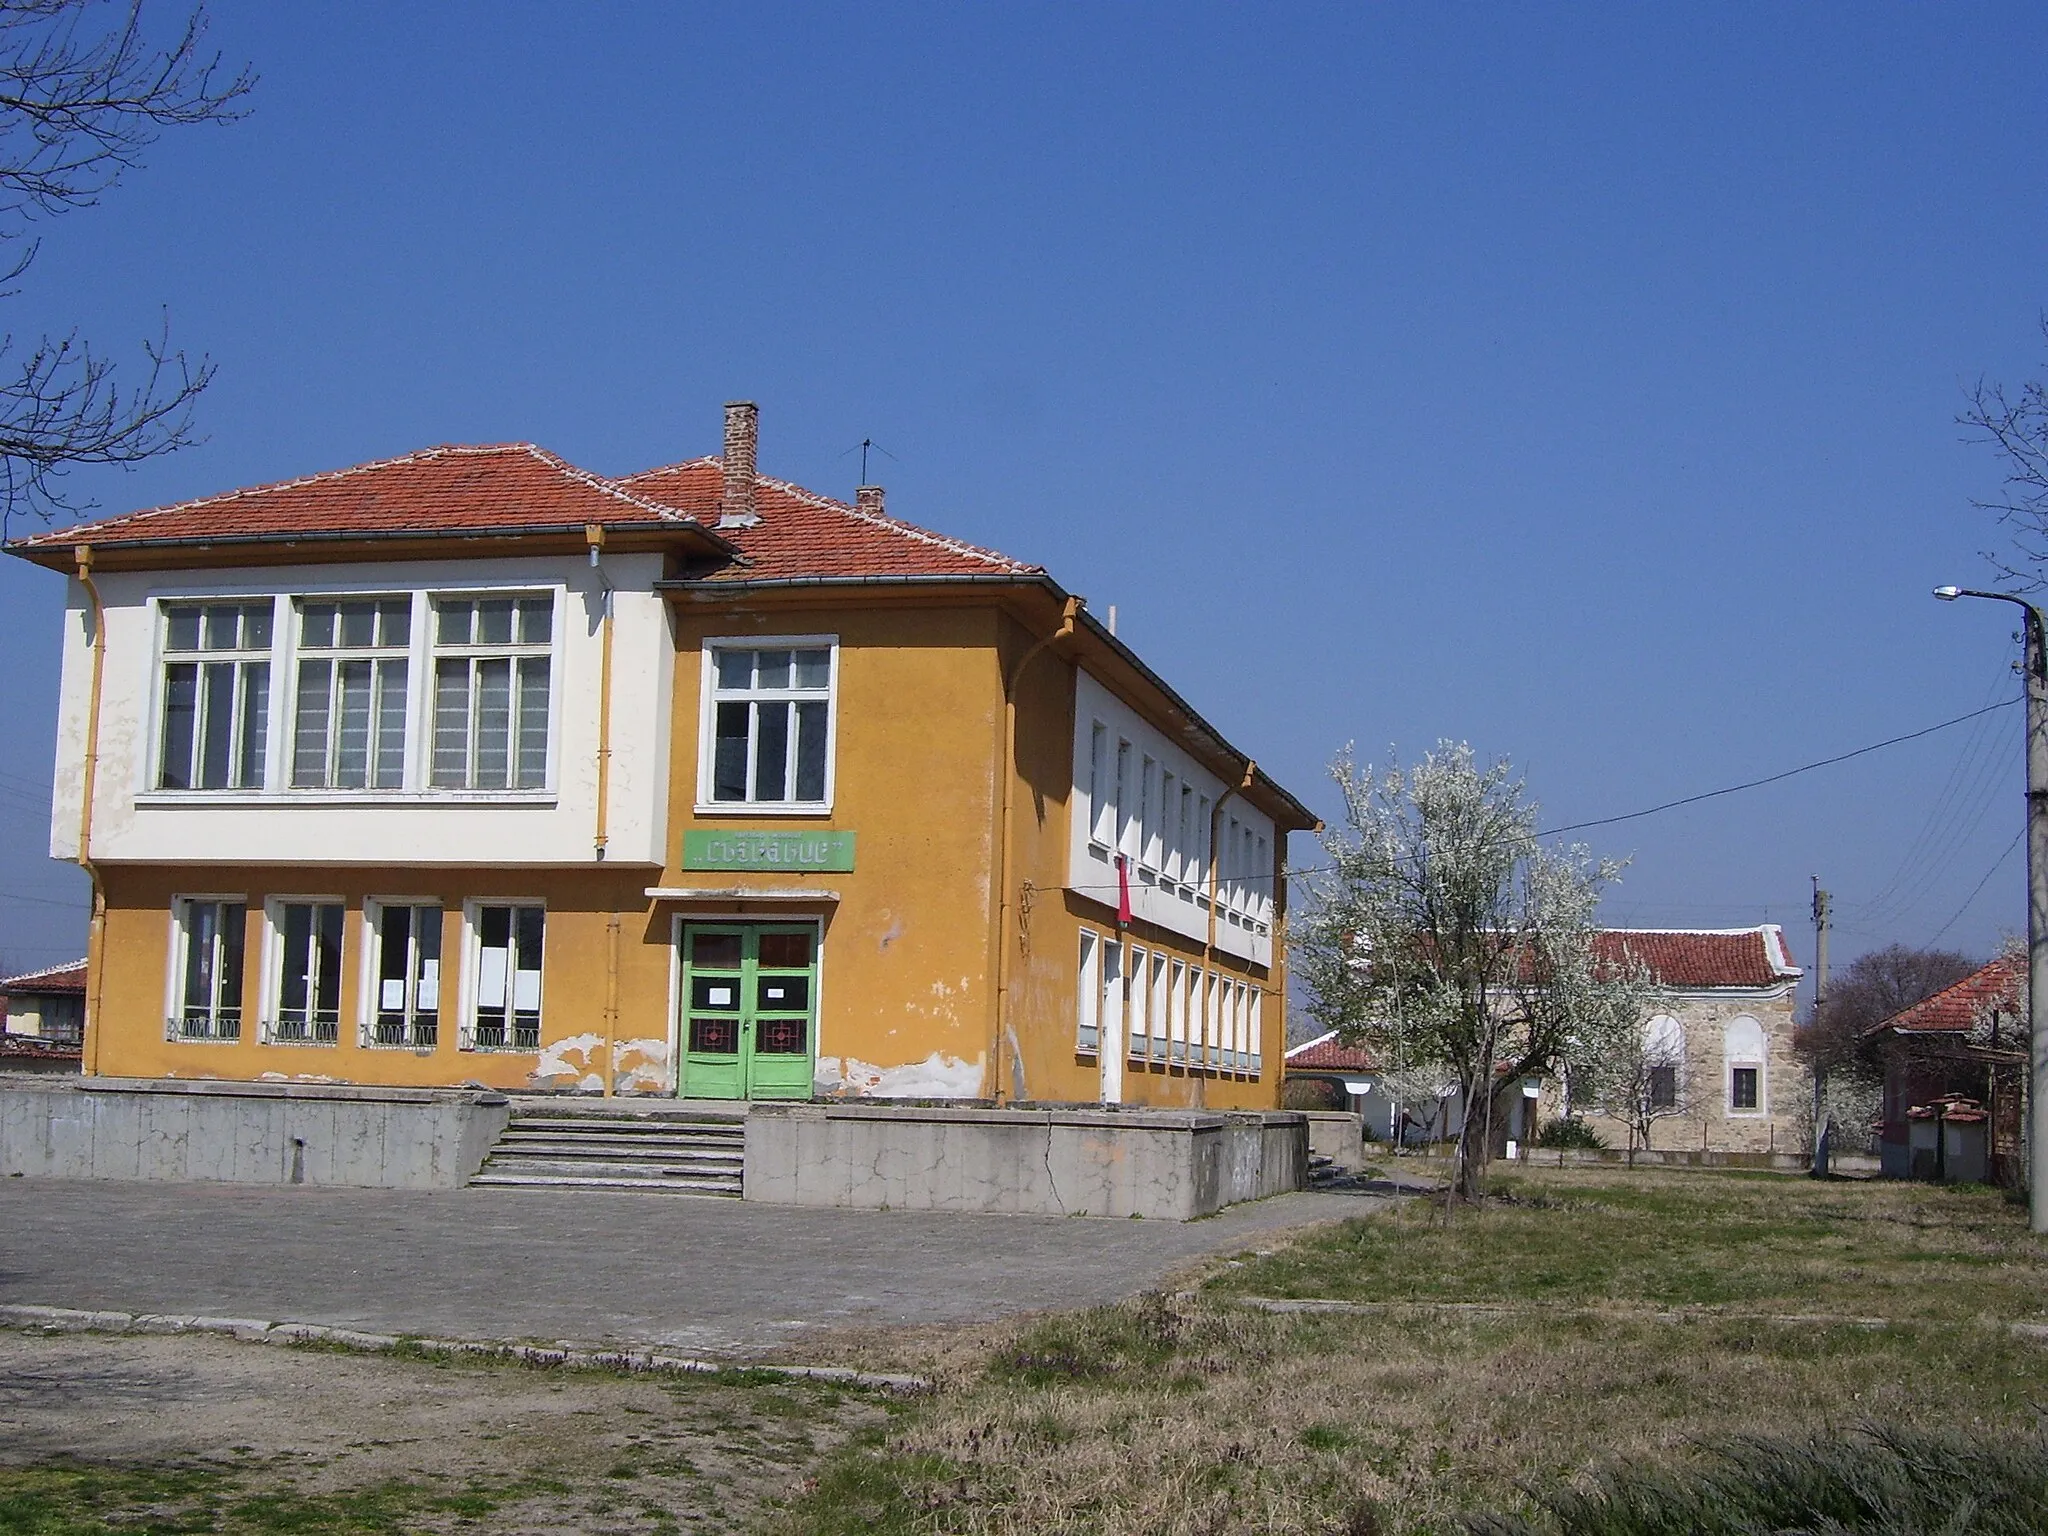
[[472, 766], [1955, 1068], [43, 1012]]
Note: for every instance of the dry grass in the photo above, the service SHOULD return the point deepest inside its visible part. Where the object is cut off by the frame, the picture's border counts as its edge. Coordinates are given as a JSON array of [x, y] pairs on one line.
[[1632, 1327]]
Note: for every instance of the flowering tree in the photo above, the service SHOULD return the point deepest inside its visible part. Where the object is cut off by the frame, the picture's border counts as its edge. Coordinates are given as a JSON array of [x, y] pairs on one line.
[[1449, 940]]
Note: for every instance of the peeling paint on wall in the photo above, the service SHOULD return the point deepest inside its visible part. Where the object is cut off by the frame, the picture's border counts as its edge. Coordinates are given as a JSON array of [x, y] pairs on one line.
[[640, 1066], [569, 1063], [936, 1077]]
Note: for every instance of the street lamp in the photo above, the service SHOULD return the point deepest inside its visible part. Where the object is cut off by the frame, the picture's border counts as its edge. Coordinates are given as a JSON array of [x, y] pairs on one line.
[[2035, 666]]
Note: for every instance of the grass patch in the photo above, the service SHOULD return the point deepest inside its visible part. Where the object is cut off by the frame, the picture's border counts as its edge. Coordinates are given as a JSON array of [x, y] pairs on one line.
[[1642, 1316], [75, 1500]]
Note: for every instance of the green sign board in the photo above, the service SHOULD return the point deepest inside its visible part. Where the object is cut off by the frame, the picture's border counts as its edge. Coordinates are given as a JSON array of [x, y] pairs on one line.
[[774, 852]]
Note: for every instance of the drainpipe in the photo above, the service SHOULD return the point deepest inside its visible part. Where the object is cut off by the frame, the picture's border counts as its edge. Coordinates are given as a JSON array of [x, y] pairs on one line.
[[593, 535], [1215, 875], [1005, 772], [95, 945], [611, 1001]]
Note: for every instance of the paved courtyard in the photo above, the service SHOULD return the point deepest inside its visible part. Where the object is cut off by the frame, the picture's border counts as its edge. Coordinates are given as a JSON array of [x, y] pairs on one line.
[[589, 1266]]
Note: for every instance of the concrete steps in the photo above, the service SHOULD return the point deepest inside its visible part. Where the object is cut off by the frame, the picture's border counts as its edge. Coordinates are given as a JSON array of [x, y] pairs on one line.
[[674, 1152]]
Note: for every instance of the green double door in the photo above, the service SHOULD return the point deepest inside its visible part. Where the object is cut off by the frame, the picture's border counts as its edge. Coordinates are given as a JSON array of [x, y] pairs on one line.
[[750, 997]]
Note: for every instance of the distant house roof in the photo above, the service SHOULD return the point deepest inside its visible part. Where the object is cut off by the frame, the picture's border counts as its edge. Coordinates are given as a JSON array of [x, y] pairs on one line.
[[1688, 958], [66, 978], [802, 534], [1957, 1008], [1326, 1053], [500, 488]]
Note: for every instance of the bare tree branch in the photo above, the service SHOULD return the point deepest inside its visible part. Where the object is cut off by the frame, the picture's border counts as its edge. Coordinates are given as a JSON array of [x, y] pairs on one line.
[[81, 100], [2017, 426]]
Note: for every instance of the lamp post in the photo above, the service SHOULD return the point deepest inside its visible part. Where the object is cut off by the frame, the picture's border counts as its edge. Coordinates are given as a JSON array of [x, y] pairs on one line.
[[2035, 665]]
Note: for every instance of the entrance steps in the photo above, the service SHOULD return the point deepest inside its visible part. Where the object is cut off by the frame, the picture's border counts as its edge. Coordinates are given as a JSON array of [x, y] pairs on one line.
[[669, 1151]]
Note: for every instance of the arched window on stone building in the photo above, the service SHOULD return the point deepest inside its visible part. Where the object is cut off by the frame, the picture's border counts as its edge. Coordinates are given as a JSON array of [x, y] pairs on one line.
[[1743, 1062], [1664, 1051]]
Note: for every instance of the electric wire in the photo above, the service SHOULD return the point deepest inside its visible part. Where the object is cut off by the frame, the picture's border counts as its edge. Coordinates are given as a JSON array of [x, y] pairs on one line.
[[1979, 887]]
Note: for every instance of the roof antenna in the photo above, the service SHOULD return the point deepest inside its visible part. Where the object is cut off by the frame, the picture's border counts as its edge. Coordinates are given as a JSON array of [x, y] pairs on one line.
[[865, 444]]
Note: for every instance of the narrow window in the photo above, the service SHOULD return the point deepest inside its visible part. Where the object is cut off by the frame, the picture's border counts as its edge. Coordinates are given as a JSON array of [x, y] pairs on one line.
[[1262, 868], [1663, 1087], [307, 980], [1741, 1087], [348, 704], [1101, 807], [491, 661], [1139, 1039], [1169, 827], [1187, 835], [506, 995], [1202, 849], [1213, 1012], [771, 722], [1112, 983], [1087, 1023], [208, 984], [215, 699], [1126, 797], [1159, 1006], [1177, 1004], [1258, 1033], [405, 1007], [1148, 820]]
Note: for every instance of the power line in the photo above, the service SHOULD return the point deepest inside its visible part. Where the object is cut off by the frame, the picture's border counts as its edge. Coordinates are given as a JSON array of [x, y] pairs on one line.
[[1826, 762], [1994, 869]]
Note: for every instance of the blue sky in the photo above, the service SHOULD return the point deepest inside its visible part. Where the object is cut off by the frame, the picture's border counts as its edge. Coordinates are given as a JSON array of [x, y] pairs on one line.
[[1577, 381]]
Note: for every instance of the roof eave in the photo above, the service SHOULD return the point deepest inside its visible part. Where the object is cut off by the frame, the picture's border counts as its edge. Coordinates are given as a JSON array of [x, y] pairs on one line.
[[60, 555]]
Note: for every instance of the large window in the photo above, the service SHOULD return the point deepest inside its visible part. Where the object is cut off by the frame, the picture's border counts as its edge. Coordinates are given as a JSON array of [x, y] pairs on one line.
[[771, 725], [348, 729], [206, 980], [491, 666], [405, 974], [505, 989], [305, 976], [216, 696]]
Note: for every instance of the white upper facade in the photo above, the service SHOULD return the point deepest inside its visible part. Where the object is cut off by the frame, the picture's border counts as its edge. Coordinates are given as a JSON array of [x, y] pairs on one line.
[[1140, 797], [428, 712]]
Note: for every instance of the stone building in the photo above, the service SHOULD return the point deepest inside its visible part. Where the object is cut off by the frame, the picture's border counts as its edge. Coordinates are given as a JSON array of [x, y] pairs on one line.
[[1722, 1025]]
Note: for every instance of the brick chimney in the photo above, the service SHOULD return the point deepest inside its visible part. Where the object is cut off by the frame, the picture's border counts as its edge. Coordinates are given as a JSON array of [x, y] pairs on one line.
[[868, 498], [742, 439]]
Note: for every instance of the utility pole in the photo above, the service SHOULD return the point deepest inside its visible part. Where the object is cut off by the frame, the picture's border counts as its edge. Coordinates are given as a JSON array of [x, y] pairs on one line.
[[2035, 667], [1821, 908]]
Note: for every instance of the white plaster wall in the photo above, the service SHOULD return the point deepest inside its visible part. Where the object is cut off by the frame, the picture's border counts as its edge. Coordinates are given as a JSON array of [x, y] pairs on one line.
[[1092, 875], [558, 826]]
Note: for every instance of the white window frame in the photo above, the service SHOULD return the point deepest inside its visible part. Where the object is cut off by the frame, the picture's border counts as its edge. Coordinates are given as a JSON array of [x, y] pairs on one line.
[[1088, 995], [296, 654], [1159, 1007], [1759, 1063], [1149, 816], [371, 966], [152, 759], [174, 977], [707, 725], [272, 992], [1137, 1031], [1177, 1012], [472, 976], [1258, 1032], [1101, 802], [427, 628]]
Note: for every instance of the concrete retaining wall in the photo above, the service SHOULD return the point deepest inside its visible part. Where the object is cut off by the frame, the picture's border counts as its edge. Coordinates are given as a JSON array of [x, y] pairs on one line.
[[246, 1133], [1338, 1135], [1162, 1164]]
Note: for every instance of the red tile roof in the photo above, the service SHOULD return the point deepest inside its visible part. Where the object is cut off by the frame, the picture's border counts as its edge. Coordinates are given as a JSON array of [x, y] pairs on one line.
[[452, 489], [55, 978], [804, 534], [1702, 958], [1326, 1053], [2001, 984]]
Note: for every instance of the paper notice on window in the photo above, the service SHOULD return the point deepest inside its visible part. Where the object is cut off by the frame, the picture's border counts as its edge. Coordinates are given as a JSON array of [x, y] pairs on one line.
[[721, 997], [430, 985], [490, 978], [526, 991], [774, 993], [391, 996]]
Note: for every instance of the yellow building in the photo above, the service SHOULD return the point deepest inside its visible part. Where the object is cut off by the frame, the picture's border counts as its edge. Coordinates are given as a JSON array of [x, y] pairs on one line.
[[472, 767]]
